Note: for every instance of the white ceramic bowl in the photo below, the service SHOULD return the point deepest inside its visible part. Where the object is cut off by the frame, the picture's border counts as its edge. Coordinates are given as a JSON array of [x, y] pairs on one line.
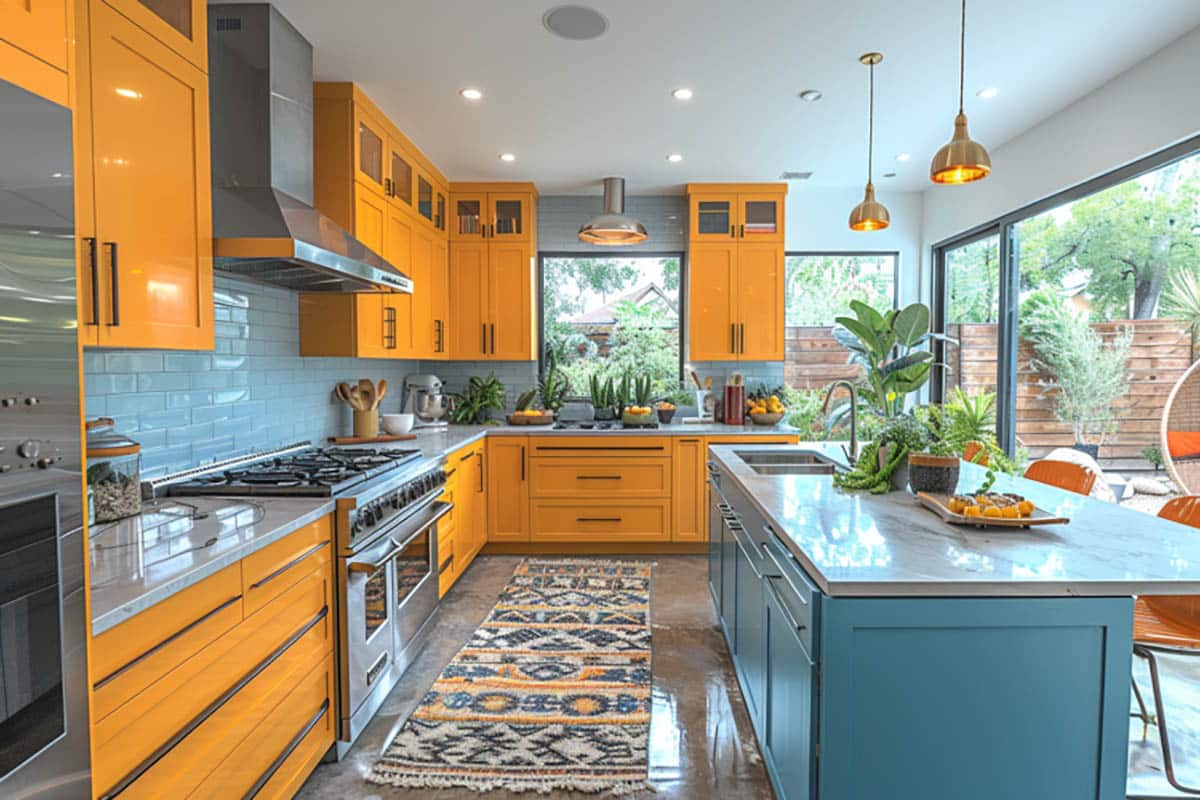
[[397, 424]]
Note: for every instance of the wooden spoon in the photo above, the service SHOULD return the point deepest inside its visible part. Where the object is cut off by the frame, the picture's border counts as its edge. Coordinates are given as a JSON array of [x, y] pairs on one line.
[[342, 390], [381, 392], [367, 390], [356, 399]]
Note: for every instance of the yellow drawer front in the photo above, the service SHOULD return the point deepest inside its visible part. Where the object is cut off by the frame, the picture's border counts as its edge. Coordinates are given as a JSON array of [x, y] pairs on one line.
[[295, 727], [125, 739], [628, 521], [128, 658], [276, 567], [593, 478], [446, 568], [617, 445]]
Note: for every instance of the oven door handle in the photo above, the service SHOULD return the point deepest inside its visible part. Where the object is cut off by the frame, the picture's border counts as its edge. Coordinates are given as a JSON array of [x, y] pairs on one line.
[[374, 565]]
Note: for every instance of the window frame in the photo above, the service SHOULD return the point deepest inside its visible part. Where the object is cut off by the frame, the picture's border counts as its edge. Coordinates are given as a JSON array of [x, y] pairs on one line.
[[1005, 226], [541, 286]]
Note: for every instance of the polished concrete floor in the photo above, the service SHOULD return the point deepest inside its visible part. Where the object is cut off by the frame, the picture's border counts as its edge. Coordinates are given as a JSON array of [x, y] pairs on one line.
[[701, 743]]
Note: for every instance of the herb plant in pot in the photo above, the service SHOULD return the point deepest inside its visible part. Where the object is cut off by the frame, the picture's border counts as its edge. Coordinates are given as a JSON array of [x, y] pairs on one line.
[[933, 467], [474, 404]]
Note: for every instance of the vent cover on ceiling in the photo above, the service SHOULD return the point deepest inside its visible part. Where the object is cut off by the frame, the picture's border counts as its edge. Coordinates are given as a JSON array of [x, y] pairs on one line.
[[792, 175], [229, 23], [575, 22]]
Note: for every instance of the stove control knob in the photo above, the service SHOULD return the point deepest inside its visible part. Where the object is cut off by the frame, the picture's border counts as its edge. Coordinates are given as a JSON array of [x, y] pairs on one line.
[[396, 501], [355, 527], [28, 449], [368, 516]]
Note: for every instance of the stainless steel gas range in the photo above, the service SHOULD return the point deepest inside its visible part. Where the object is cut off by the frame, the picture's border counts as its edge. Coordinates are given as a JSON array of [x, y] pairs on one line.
[[386, 539]]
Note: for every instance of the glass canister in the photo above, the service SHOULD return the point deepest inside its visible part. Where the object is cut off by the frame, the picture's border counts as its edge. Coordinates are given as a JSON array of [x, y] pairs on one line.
[[114, 473]]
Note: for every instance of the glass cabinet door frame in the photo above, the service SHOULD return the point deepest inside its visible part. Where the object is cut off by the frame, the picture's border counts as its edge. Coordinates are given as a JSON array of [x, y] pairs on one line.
[[743, 219], [494, 199], [361, 119], [694, 234], [397, 193], [194, 48], [468, 197]]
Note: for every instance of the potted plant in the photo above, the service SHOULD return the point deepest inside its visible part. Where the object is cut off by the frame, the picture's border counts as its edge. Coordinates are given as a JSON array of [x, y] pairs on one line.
[[883, 463], [553, 387], [481, 396], [639, 414], [933, 466], [604, 398], [1088, 374]]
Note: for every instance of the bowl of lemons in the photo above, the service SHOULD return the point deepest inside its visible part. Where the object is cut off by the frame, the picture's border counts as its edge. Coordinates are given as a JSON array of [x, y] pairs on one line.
[[766, 410]]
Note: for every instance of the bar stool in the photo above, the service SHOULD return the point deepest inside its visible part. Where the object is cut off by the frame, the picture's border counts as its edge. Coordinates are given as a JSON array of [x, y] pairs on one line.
[[1167, 624], [1062, 474]]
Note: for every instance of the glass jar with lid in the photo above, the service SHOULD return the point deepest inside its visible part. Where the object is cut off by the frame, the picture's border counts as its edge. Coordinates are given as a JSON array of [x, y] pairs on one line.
[[114, 473]]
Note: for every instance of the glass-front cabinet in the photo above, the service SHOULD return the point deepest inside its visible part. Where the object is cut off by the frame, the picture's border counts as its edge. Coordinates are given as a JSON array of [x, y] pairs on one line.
[[370, 145], [713, 217], [469, 223], [181, 25], [439, 212], [400, 188], [424, 197], [509, 217], [760, 217], [737, 216]]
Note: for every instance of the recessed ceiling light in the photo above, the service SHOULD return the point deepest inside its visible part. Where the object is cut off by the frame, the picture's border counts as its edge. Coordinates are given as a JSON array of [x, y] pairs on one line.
[[988, 93], [471, 93], [507, 157], [811, 95], [675, 158], [682, 93], [903, 156], [575, 22]]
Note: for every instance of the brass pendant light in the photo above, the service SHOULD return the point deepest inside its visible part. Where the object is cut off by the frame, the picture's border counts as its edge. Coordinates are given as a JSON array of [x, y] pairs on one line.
[[870, 214], [962, 160]]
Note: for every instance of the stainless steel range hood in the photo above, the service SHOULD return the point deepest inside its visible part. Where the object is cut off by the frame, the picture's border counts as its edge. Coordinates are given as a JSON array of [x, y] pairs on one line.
[[260, 102]]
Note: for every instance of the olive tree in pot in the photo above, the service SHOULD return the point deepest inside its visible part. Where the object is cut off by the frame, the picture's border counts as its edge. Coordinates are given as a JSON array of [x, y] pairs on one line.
[[1087, 374]]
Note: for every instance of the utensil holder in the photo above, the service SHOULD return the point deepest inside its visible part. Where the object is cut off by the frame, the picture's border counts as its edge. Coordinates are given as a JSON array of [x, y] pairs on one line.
[[366, 423]]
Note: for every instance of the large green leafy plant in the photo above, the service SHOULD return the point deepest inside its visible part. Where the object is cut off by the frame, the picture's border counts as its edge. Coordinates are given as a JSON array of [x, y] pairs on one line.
[[480, 396], [891, 348]]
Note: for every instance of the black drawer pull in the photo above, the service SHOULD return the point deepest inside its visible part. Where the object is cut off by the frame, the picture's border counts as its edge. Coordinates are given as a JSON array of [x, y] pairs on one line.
[[787, 613], [598, 519], [115, 277], [584, 449], [449, 562], [95, 272], [287, 752], [212, 708], [107, 679], [288, 565], [597, 477]]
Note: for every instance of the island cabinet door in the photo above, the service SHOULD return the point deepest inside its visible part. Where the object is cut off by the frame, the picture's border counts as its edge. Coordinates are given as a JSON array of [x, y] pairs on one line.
[[716, 510], [729, 570], [991, 698], [788, 720], [750, 650]]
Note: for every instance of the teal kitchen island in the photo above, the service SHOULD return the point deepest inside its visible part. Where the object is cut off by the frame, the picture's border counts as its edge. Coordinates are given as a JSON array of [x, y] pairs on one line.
[[884, 653]]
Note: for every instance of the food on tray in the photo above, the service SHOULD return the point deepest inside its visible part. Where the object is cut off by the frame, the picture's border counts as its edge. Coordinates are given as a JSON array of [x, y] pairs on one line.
[[994, 505], [638, 411], [530, 412]]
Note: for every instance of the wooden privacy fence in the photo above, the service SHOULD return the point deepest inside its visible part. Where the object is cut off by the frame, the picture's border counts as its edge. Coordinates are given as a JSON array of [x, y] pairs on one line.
[[1160, 353]]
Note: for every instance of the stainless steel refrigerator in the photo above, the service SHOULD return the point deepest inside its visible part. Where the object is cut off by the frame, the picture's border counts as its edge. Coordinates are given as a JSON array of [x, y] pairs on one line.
[[43, 628]]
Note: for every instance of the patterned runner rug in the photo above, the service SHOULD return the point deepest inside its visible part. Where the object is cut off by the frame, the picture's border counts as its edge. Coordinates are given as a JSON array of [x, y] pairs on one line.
[[551, 692]]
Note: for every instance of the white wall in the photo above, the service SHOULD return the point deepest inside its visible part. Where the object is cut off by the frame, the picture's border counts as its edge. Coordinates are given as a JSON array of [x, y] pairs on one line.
[[1150, 106], [818, 220]]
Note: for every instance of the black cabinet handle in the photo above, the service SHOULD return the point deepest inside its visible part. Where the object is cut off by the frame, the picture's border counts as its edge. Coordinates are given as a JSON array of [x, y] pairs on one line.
[[95, 270], [264, 581], [492, 230], [787, 613], [387, 187], [439, 333], [389, 328], [522, 462], [732, 232], [282, 758], [743, 231], [483, 346], [597, 477], [493, 326], [116, 283], [742, 331], [732, 337], [597, 519]]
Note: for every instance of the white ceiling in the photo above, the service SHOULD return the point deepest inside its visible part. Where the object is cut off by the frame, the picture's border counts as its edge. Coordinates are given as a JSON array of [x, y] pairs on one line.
[[573, 112]]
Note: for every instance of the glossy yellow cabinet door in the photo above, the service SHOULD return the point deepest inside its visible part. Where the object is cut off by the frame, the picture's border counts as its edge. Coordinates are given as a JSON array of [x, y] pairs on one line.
[[468, 217], [468, 300], [370, 152], [152, 189], [510, 279], [760, 301], [439, 299], [508, 489], [712, 302], [39, 27], [424, 334], [399, 181], [714, 217], [179, 24], [688, 494], [371, 215], [510, 217]]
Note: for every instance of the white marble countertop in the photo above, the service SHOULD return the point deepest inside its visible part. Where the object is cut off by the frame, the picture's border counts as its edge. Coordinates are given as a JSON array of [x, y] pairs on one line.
[[178, 542], [143, 560], [860, 545]]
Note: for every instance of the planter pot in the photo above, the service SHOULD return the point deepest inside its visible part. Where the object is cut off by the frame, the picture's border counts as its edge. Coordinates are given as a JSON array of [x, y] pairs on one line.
[[604, 415], [1092, 450], [933, 474]]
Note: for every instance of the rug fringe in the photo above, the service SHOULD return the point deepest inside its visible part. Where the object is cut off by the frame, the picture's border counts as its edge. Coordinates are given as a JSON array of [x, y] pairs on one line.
[[409, 781]]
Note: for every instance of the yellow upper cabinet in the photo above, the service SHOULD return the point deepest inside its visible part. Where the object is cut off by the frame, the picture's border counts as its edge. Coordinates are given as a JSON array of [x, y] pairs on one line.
[[181, 25], [357, 149], [736, 272], [493, 212], [360, 325], [741, 212], [34, 46], [148, 173]]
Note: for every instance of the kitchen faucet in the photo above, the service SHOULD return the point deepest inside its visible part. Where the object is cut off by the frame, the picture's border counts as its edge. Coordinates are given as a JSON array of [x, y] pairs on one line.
[[852, 452]]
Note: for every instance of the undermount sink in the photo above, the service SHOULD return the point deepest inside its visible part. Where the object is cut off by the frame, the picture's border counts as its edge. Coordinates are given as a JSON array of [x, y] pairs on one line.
[[787, 462]]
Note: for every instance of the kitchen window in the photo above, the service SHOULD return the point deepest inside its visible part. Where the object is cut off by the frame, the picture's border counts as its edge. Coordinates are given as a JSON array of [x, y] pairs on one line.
[[1107, 268], [612, 315], [819, 288]]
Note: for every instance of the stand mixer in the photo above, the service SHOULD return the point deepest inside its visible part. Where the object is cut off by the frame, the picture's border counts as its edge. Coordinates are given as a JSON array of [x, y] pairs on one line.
[[423, 397]]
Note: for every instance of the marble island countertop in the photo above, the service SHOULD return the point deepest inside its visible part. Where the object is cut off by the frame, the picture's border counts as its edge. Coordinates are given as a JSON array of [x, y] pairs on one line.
[[858, 544], [177, 542]]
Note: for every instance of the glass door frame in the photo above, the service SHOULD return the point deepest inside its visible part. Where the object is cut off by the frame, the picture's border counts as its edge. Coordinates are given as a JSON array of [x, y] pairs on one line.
[[1005, 227]]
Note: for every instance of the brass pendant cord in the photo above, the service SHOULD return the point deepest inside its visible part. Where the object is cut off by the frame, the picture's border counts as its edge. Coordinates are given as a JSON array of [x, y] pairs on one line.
[[962, 55], [871, 122]]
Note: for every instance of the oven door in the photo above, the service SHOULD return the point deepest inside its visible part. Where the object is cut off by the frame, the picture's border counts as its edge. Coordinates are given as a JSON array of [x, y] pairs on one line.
[[415, 569], [369, 620]]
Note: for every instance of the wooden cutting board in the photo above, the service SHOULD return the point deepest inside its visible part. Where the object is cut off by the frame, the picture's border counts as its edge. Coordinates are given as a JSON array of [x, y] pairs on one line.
[[937, 503], [401, 437]]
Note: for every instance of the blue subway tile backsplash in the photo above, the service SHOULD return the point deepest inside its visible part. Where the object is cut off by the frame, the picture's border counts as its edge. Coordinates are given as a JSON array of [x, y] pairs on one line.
[[253, 392]]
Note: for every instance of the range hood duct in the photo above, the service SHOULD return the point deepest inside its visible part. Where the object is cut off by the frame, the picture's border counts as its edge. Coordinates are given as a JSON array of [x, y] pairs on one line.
[[613, 228], [260, 102]]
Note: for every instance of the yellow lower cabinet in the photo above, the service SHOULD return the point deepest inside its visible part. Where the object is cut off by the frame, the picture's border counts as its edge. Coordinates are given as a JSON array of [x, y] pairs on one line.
[[582, 521], [688, 490], [600, 476], [508, 489], [447, 573]]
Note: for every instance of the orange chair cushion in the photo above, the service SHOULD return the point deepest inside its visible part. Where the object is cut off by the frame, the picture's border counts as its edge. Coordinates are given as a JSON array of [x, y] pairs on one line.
[[1183, 444], [1167, 620], [1062, 474]]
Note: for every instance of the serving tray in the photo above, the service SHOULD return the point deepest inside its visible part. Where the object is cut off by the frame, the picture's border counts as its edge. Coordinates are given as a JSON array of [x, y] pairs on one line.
[[937, 503]]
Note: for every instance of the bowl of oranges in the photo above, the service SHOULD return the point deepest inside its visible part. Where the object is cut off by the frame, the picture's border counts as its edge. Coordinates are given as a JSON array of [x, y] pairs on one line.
[[665, 411], [531, 416], [766, 410], [638, 416]]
